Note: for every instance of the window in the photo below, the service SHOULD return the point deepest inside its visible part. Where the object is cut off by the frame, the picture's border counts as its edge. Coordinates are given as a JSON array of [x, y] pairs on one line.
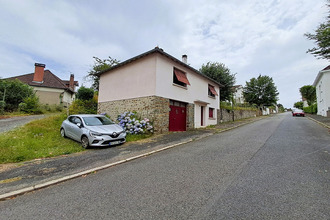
[[211, 91], [211, 112], [180, 78]]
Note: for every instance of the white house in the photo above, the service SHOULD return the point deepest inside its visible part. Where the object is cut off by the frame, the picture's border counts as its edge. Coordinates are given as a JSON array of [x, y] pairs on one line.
[[48, 87], [156, 85], [238, 94], [322, 85]]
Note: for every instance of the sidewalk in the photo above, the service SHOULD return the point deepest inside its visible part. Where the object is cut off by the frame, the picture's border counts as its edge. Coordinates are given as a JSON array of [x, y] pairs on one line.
[[24, 177], [324, 121]]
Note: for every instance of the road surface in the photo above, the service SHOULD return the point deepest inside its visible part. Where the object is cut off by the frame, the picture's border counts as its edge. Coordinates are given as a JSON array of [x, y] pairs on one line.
[[276, 168]]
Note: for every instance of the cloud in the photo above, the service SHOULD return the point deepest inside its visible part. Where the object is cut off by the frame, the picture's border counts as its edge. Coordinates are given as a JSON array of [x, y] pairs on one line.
[[250, 37]]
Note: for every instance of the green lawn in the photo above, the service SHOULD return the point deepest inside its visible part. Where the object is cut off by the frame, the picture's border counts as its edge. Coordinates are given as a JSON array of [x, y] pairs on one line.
[[37, 139]]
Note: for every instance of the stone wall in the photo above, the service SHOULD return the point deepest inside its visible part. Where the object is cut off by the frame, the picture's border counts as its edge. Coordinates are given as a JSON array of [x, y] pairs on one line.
[[190, 116], [153, 107], [225, 115]]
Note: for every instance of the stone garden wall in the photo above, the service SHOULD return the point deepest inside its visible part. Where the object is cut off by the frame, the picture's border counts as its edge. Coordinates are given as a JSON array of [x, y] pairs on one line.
[[225, 115]]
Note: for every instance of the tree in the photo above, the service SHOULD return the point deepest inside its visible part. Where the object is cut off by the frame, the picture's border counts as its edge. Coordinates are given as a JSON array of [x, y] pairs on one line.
[[85, 93], [99, 66], [13, 92], [261, 91], [309, 93], [280, 107], [299, 105], [220, 73], [322, 39]]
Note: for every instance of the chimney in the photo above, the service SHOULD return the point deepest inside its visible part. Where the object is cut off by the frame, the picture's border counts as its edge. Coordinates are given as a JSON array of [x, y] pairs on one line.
[[71, 84], [39, 72], [184, 58]]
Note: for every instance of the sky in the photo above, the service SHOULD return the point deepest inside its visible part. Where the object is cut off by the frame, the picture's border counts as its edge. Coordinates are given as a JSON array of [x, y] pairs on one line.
[[252, 38]]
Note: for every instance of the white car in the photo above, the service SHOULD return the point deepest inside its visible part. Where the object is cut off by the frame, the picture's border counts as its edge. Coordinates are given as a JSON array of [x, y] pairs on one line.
[[93, 130]]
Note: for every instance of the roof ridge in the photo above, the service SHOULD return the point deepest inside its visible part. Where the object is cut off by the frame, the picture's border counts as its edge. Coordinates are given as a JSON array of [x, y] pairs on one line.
[[60, 80]]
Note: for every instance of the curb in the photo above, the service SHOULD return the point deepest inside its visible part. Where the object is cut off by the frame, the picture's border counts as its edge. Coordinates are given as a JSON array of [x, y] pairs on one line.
[[324, 125], [90, 171]]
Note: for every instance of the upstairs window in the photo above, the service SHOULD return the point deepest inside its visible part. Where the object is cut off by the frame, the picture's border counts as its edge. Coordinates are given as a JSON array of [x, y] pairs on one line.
[[180, 78], [211, 91]]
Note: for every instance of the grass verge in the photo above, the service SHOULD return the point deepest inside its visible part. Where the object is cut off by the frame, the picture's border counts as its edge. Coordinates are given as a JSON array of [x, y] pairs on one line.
[[37, 139]]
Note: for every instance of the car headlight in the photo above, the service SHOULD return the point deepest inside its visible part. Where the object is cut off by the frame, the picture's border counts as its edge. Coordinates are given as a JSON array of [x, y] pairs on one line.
[[93, 133]]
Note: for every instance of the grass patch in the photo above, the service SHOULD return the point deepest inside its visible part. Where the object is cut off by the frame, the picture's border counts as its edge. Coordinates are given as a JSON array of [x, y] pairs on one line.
[[137, 137], [37, 139]]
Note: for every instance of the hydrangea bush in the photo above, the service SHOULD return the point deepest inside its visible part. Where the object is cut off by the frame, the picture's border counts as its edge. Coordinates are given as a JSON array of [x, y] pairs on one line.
[[133, 125]]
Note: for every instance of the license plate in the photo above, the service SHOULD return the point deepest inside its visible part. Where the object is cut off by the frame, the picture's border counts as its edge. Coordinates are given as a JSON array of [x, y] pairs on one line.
[[114, 142]]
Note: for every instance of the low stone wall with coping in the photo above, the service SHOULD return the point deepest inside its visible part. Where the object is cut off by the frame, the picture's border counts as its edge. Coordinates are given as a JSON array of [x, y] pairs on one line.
[[225, 115]]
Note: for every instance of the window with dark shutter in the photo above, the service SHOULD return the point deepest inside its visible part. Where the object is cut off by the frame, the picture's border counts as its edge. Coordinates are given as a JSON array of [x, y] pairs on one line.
[[180, 78]]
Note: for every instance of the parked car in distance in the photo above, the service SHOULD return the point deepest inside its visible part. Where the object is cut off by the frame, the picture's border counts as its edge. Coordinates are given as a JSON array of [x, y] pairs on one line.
[[298, 112], [93, 130]]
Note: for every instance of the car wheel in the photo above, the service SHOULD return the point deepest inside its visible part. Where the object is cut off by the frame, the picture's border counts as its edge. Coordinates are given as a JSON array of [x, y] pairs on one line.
[[84, 142], [63, 132]]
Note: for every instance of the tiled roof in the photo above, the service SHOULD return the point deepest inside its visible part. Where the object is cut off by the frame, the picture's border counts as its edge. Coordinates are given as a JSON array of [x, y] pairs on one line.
[[327, 68], [50, 81], [160, 51]]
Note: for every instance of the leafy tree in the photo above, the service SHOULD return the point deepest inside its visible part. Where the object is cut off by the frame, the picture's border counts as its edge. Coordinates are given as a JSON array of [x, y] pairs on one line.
[[322, 39], [299, 105], [280, 107], [261, 91], [99, 66], [309, 93], [13, 92], [85, 93], [220, 73]]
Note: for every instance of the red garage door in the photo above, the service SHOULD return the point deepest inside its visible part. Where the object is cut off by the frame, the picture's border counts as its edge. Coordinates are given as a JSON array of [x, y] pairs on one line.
[[177, 116]]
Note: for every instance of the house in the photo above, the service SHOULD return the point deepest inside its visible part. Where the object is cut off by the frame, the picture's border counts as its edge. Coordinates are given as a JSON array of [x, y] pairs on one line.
[[322, 85], [238, 94], [49, 88], [172, 94]]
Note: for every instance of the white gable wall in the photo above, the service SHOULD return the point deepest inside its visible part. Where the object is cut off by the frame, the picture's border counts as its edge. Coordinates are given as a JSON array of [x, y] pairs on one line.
[[133, 80], [323, 93]]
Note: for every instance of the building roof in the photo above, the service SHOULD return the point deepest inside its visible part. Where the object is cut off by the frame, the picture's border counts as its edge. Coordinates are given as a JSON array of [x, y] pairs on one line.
[[161, 52], [49, 81], [319, 75]]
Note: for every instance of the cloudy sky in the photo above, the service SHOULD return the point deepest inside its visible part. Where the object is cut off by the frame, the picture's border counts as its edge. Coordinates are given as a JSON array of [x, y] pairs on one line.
[[250, 37]]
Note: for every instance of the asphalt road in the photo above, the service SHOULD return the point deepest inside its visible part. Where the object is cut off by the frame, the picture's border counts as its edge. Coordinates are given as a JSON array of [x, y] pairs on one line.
[[276, 168], [7, 124]]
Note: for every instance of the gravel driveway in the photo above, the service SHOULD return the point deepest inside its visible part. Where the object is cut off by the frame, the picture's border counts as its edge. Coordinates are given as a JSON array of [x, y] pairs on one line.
[[11, 123]]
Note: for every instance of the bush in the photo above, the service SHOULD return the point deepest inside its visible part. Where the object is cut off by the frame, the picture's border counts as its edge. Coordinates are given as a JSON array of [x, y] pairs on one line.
[[52, 108], [2, 107], [311, 109], [14, 93], [85, 93], [83, 107], [132, 124], [30, 105]]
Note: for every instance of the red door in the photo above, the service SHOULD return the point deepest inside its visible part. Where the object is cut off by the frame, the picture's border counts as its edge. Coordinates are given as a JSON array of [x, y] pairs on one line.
[[177, 117]]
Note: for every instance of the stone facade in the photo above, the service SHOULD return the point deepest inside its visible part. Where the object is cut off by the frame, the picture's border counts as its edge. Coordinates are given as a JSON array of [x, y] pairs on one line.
[[225, 115], [153, 107], [190, 116]]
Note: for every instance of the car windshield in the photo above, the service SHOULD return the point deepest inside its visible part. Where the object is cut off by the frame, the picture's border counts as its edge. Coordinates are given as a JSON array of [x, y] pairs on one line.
[[298, 111], [97, 120]]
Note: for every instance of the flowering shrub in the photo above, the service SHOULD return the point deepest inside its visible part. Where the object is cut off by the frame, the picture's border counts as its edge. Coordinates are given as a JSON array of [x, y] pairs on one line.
[[130, 122]]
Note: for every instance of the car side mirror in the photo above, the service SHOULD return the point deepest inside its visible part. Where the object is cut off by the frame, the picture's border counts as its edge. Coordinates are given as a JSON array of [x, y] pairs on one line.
[[79, 125]]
